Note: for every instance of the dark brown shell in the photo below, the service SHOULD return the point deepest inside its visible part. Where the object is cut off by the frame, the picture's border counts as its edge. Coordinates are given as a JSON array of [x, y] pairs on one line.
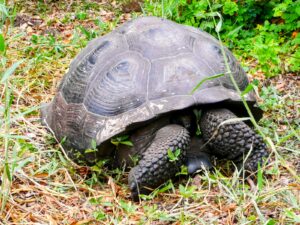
[[145, 68]]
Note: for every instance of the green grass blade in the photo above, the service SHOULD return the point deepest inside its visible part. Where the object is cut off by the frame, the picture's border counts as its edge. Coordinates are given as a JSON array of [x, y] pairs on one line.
[[10, 71], [2, 43], [206, 79]]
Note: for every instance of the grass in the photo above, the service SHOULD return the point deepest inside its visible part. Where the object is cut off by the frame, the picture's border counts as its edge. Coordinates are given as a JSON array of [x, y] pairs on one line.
[[40, 186]]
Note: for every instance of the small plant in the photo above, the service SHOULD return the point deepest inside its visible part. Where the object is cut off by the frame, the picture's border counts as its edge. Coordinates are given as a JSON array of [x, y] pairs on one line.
[[162, 189], [270, 37], [81, 15], [2, 44], [99, 215], [271, 99], [183, 170], [6, 138], [128, 207], [187, 191], [93, 147], [197, 114], [174, 155], [124, 140], [295, 218]]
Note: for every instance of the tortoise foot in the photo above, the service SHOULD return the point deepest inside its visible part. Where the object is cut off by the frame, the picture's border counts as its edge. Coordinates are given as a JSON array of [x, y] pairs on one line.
[[233, 139], [155, 166]]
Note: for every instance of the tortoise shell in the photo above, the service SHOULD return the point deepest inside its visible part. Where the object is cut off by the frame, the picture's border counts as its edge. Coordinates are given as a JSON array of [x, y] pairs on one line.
[[143, 69]]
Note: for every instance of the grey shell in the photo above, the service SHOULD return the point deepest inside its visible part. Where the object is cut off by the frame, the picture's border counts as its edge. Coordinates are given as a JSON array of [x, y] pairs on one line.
[[144, 68]]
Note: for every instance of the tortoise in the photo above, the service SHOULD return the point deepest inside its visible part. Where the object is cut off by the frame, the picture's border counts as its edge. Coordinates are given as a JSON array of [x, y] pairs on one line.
[[138, 80]]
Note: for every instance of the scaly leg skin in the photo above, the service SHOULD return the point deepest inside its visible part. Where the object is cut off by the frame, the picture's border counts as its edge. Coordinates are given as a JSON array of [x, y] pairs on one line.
[[232, 140], [155, 166]]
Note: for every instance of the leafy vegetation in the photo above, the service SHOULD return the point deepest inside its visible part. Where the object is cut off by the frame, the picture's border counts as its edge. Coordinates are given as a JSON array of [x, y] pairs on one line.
[[265, 31], [38, 40]]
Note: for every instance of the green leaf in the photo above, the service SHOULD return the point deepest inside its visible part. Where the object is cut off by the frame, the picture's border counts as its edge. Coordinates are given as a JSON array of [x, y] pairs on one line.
[[96, 168], [63, 140], [206, 79], [90, 150], [114, 142], [271, 222], [128, 143], [12, 136], [280, 9], [7, 170], [187, 192], [230, 8], [96, 201], [219, 25], [250, 87], [94, 144], [99, 215], [124, 140], [198, 117], [10, 71], [22, 114], [173, 156], [292, 215], [81, 15], [236, 30], [252, 218], [34, 39], [128, 206], [247, 89], [211, 14], [24, 162], [183, 170], [260, 180], [3, 9], [2, 43], [181, 189], [177, 152], [121, 138], [167, 186]]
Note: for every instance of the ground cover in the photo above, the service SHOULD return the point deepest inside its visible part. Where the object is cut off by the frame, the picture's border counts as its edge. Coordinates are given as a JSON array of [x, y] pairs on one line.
[[40, 186]]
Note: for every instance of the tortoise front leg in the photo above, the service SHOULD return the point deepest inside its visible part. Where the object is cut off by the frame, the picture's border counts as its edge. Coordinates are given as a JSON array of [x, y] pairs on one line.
[[232, 140], [155, 167]]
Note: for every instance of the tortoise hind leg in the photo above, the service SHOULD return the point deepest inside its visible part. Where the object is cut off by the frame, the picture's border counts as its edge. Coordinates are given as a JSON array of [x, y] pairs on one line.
[[232, 140], [155, 167]]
